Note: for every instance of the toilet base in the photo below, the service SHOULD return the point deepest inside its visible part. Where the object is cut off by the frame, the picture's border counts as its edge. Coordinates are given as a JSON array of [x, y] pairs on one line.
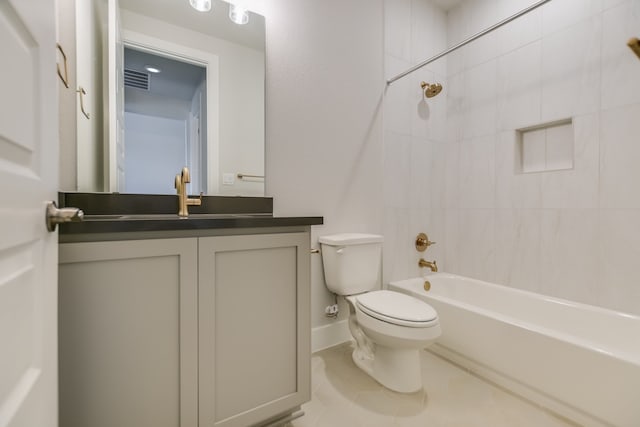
[[397, 369]]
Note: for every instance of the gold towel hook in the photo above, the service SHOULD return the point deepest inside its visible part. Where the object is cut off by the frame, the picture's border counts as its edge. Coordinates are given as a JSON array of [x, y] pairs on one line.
[[65, 78], [82, 92]]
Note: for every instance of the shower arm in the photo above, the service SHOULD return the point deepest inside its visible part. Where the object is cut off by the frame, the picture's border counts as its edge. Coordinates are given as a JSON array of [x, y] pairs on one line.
[[467, 41]]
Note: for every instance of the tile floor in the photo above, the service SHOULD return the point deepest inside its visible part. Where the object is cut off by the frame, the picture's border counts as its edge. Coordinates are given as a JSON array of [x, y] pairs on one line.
[[344, 396]]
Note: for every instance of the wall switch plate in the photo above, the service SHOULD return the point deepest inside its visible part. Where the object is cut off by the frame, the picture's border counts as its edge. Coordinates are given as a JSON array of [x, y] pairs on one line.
[[228, 179]]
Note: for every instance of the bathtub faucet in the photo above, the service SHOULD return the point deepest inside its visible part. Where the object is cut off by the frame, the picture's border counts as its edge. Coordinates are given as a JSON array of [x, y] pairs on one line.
[[428, 264]]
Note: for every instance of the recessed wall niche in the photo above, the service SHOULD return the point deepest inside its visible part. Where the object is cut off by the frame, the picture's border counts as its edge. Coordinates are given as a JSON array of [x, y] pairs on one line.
[[546, 147]]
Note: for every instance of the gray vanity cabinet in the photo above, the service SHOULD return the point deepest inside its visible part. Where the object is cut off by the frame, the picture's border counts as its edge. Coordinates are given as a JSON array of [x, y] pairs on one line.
[[128, 333], [254, 327], [184, 332]]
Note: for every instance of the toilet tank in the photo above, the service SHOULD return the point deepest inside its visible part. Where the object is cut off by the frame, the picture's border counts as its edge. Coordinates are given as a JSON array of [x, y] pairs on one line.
[[352, 262]]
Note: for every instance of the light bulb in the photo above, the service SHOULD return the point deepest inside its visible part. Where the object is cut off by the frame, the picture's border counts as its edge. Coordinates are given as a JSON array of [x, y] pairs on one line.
[[201, 5], [238, 14]]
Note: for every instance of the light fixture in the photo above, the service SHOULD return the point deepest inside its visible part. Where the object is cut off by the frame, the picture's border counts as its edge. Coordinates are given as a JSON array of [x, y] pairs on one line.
[[152, 69], [201, 5], [238, 14]]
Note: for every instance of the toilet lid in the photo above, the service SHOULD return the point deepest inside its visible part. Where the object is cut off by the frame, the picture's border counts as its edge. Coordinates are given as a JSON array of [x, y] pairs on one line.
[[396, 308]]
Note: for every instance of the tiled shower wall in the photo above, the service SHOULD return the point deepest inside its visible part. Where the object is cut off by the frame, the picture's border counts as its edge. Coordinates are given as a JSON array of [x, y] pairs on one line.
[[570, 233], [415, 132]]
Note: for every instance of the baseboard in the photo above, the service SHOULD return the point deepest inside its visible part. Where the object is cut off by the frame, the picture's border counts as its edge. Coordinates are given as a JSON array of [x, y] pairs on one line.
[[329, 335]]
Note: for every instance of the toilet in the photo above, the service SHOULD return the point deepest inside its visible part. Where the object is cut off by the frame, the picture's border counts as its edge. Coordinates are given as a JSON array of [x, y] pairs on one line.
[[389, 328]]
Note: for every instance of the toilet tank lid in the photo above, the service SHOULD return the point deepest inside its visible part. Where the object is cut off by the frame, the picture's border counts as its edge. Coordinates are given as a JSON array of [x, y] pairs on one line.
[[344, 239]]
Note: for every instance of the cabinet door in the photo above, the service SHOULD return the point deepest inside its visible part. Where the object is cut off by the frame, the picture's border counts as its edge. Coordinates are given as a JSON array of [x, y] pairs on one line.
[[128, 333], [254, 327]]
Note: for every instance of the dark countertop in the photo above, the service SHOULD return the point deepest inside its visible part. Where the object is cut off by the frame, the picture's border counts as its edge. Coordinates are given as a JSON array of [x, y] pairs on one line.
[[116, 213], [132, 223]]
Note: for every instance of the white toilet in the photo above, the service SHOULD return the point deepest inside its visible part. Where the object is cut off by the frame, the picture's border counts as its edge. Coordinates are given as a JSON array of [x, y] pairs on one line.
[[390, 328]]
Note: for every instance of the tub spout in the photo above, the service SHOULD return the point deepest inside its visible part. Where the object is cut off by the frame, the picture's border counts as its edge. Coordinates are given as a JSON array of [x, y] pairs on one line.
[[428, 264]]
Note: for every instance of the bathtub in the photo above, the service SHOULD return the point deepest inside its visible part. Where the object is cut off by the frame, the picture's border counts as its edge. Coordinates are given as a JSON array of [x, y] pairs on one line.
[[579, 361]]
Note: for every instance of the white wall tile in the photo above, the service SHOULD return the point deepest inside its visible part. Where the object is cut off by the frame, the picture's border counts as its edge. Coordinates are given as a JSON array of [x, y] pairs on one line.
[[456, 32], [476, 244], [428, 34], [570, 255], [560, 14], [517, 259], [571, 70], [619, 158], [452, 241], [397, 170], [522, 31], [514, 189], [452, 174], [576, 187], [398, 98], [455, 94], [438, 179], [477, 172], [480, 100], [421, 171], [397, 27], [397, 255], [561, 232], [620, 67], [518, 85], [619, 254]]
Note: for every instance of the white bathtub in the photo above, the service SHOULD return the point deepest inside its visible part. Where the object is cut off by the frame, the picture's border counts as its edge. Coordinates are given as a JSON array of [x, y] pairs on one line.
[[580, 361]]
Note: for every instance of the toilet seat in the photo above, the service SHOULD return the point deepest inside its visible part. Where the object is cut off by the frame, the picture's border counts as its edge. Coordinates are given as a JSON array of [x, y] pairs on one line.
[[398, 309]]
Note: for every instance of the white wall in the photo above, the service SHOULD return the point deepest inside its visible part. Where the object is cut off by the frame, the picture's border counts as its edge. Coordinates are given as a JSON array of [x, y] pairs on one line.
[[574, 233], [153, 147], [324, 119], [81, 150]]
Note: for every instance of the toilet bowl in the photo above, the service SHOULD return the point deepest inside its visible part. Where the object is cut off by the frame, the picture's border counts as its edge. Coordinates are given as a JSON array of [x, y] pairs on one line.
[[389, 328]]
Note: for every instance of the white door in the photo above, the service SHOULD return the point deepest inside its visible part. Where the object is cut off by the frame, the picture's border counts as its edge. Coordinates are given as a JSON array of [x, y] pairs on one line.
[[28, 178]]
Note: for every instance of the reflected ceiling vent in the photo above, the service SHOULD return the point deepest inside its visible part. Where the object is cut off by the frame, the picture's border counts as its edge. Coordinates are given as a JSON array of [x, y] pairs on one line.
[[137, 79]]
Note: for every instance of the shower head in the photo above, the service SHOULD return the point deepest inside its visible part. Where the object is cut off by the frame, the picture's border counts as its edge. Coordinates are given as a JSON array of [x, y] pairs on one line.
[[634, 44], [431, 89]]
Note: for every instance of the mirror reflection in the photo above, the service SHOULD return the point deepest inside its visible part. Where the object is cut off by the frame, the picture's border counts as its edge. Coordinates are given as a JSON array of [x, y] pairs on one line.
[[181, 88], [164, 122]]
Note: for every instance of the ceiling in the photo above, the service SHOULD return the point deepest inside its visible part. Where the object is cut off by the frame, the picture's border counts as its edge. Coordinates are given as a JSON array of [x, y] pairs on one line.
[[214, 23]]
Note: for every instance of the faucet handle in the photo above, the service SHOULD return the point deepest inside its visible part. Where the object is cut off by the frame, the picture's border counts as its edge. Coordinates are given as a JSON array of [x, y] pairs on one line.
[[423, 242]]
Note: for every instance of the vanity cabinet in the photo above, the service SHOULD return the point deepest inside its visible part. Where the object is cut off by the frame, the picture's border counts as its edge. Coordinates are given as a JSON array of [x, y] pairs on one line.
[[197, 331], [254, 327]]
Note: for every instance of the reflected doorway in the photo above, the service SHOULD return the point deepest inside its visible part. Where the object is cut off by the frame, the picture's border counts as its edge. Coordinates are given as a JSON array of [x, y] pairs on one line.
[[165, 123]]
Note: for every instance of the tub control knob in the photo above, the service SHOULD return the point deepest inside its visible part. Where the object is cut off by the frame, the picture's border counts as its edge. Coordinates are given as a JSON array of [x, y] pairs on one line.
[[423, 242]]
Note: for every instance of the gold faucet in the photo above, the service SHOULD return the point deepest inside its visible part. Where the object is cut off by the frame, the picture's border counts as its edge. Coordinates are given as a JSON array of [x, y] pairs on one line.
[[428, 264], [181, 181]]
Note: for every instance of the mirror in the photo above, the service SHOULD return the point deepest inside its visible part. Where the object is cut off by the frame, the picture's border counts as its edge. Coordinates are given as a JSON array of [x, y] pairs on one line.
[[223, 123]]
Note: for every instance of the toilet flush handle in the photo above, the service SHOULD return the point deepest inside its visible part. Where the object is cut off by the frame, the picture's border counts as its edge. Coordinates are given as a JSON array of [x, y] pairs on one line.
[[340, 250]]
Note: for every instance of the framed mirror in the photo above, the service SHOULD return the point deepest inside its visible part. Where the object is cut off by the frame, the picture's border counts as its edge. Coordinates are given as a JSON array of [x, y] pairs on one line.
[[214, 124]]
